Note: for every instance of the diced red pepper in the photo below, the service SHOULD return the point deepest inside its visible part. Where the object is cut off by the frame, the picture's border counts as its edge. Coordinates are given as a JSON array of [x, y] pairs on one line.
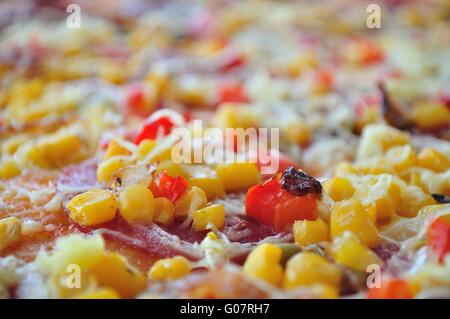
[[232, 92], [439, 236], [275, 207], [136, 102], [155, 128], [391, 289], [168, 186]]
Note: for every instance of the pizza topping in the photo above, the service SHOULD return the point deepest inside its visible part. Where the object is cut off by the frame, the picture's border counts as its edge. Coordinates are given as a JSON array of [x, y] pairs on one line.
[[210, 217], [264, 263], [170, 268], [391, 289], [439, 236], [168, 186], [274, 206], [136, 204], [94, 207], [299, 183], [441, 198], [10, 231]]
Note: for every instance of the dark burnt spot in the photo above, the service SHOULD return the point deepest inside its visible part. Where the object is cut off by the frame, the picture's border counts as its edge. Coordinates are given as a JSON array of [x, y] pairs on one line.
[[440, 198], [299, 183]]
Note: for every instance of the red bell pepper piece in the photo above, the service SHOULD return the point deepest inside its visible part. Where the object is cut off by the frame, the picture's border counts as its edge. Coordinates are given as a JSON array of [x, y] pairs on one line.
[[168, 186], [136, 101], [155, 128], [391, 289], [232, 92], [272, 205], [439, 236]]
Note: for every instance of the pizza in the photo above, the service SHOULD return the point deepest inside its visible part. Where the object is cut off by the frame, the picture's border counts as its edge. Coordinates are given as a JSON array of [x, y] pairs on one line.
[[224, 149]]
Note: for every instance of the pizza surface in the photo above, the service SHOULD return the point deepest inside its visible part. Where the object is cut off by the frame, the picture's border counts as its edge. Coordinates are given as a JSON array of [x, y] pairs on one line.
[[224, 149]]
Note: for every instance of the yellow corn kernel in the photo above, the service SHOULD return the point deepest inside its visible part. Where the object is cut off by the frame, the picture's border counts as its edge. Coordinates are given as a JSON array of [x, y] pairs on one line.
[[101, 293], [190, 201], [207, 179], [306, 269], [350, 252], [59, 149], [73, 249], [380, 195], [113, 270], [238, 176], [115, 149], [94, 207], [376, 139], [345, 168], [107, 168], [339, 188], [412, 199], [171, 168], [298, 132], [164, 211], [327, 291], [9, 168], [264, 263], [136, 204], [209, 217], [428, 116], [310, 231], [232, 115], [10, 231], [145, 147], [351, 216], [433, 160], [401, 158], [170, 268]]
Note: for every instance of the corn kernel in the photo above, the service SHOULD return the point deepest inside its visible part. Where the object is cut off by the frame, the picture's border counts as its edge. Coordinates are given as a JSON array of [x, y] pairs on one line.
[[101, 293], [401, 158], [376, 139], [264, 263], [136, 204], [107, 168], [190, 201], [428, 116], [9, 168], [306, 269], [232, 115], [298, 133], [412, 200], [164, 211], [58, 149], [350, 252], [433, 160], [238, 176], [94, 207], [145, 147], [207, 179], [339, 188], [112, 270], [351, 216], [310, 231], [380, 195], [171, 168], [10, 231], [209, 217], [115, 149], [170, 268]]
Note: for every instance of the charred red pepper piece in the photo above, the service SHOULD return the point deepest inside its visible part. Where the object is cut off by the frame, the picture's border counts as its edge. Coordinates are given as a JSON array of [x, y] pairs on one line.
[[168, 186], [439, 236], [391, 289], [153, 129], [276, 207]]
